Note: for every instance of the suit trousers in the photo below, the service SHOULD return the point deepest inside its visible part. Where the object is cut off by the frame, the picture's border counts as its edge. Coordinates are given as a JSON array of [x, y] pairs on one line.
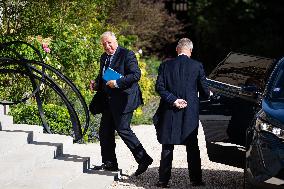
[[110, 122], [193, 159]]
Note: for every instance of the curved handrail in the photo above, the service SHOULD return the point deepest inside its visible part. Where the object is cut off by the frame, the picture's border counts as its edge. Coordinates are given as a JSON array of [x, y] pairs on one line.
[[6, 62], [6, 47], [30, 68]]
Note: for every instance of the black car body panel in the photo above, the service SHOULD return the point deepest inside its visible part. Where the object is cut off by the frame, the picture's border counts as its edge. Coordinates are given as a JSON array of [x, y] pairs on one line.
[[235, 82], [244, 120]]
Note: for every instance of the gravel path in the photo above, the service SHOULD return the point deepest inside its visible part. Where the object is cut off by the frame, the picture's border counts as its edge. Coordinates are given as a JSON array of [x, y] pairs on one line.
[[215, 175]]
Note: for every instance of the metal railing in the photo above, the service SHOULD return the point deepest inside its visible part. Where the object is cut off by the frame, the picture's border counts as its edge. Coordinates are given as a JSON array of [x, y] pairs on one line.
[[17, 66]]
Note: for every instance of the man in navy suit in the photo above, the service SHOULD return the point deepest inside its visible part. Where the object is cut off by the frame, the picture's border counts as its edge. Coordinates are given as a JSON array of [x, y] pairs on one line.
[[179, 83], [120, 98]]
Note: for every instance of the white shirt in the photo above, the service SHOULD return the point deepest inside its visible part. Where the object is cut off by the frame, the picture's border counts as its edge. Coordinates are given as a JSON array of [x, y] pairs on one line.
[[111, 57]]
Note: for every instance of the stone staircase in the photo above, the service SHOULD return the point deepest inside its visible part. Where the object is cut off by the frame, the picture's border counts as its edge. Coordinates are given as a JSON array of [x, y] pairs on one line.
[[31, 159]]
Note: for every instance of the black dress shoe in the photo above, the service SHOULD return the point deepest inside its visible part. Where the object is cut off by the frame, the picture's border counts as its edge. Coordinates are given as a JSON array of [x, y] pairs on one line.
[[162, 184], [109, 166], [142, 167], [197, 183]]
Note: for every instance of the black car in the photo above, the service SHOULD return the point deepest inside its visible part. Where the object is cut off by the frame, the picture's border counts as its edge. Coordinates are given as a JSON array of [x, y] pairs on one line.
[[243, 121]]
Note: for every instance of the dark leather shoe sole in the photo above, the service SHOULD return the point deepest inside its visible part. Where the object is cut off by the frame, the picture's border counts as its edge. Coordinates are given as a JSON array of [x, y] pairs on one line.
[[111, 168], [104, 168]]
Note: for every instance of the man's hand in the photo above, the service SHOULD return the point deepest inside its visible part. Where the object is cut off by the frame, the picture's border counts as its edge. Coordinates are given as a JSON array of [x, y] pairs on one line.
[[111, 83], [180, 103]]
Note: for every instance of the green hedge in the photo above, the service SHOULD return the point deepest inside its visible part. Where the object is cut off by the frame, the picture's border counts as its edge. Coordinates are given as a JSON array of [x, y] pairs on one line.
[[57, 117]]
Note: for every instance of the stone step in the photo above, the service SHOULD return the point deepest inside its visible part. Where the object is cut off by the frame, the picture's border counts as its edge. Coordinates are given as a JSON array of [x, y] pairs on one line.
[[23, 127], [38, 136], [31, 159], [62, 174], [65, 171], [28, 157], [5, 121], [100, 179], [35, 135], [92, 150], [51, 175], [26, 127], [11, 141], [93, 179], [51, 139]]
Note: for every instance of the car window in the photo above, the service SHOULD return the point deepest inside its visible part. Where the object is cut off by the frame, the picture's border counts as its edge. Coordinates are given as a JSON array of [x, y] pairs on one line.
[[242, 70]]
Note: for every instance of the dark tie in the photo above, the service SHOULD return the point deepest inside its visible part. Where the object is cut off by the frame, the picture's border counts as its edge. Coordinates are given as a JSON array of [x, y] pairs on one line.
[[107, 61]]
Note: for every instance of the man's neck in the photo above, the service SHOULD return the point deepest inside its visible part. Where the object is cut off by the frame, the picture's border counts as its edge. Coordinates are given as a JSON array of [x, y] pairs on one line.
[[184, 52], [188, 55]]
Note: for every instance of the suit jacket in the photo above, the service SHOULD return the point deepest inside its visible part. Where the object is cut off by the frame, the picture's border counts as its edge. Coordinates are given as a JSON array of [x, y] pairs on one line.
[[181, 77], [128, 96]]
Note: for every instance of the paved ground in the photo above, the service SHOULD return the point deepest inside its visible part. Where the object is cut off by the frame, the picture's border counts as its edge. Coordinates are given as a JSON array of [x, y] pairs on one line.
[[216, 175]]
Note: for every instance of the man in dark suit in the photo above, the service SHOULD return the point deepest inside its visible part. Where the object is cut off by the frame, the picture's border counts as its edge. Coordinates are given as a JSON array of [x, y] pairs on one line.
[[120, 98], [179, 83]]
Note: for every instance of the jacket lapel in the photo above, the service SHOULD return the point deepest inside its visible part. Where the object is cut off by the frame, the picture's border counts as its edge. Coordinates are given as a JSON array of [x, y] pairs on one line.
[[114, 61], [103, 60]]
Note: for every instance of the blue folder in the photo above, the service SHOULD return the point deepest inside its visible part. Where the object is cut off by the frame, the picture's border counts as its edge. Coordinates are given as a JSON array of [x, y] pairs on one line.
[[110, 74]]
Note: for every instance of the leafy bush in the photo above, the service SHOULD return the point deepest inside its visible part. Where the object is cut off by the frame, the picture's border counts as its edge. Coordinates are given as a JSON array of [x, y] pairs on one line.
[[92, 134], [142, 115], [148, 20], [153, 64], [57, 117]]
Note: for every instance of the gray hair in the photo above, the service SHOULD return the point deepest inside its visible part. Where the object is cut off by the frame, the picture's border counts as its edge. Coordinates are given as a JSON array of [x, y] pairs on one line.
[[107, 34], [185, 43]]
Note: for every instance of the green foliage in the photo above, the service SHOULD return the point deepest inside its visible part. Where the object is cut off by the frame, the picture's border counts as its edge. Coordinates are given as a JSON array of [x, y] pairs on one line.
[[57, 117], [149, 21], [67, 35], [141, 115], [127, 41], [146, 82], [144, 114], [153, 64]]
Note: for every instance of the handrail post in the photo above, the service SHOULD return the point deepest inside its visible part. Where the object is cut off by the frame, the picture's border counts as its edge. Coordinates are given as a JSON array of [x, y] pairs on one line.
[[4, 109]]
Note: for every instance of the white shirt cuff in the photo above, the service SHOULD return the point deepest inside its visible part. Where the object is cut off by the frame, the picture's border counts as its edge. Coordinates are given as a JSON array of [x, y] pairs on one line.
[[115, 84]]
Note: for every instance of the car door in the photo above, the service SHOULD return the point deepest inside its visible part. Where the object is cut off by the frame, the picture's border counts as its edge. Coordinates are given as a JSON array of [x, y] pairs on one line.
[[237, 83]]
